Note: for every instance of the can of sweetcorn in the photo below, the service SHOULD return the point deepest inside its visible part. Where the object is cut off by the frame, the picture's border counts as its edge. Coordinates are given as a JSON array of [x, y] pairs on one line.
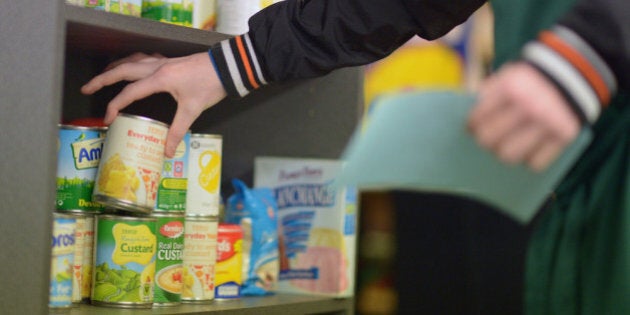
[[131, 164]]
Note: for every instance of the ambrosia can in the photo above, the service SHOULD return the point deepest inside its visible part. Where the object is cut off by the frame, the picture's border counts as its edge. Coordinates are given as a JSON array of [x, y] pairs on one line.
[[124, 261], [78, 154], [62, 260], [168, 264], [130, 168], [204, 175], [171, 194], [228, 274], [200, 254]]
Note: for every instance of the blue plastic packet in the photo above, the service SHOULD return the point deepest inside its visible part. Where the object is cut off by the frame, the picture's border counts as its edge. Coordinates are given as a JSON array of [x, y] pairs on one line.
[[255, 210]]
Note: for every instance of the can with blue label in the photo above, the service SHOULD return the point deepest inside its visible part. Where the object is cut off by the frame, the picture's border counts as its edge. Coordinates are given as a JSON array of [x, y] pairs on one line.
[[62, 260], [78, 156]]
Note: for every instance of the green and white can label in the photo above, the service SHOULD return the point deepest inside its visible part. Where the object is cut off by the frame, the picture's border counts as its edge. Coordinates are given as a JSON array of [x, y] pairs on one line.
[[124, 261], [170, 11], [131, 165], [78, 155], [168, 264], [171, 194], [62, 260]]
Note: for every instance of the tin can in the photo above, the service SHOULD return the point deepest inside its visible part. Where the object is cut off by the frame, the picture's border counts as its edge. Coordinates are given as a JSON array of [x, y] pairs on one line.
[[62, 260], [78, 155], [177, 12], [205, 14], [126, 7], [171, 194], [131, 164], [200, 254], [95, 4], [168, 264], [204, 175], [233, 15], [79, 247], [124, 261], [88, 256], [228, 274]]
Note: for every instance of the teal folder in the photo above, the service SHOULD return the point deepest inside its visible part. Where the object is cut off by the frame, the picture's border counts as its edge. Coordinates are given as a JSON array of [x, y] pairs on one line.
[[418, 141]]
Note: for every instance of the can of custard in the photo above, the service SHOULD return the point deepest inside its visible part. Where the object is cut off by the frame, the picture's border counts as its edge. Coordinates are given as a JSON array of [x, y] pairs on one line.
[[79, 152], [200, 254], [129, 172], [228, 274], [62, 261], [124, 261], [168, 263]]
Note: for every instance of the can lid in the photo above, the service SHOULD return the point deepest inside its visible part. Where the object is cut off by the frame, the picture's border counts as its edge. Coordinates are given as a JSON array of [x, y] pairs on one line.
[[79, 127], [205, 135]]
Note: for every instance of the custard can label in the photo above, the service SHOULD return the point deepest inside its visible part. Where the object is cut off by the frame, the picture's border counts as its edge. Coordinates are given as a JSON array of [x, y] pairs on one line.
[[168, 264], [200, 254], [204, 175], [79, 152], [171, 194], [62, 261], [131, 165], [124, 261]]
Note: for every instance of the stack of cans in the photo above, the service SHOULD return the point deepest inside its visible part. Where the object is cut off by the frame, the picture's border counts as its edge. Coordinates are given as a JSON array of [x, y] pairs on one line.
[[144, 228]]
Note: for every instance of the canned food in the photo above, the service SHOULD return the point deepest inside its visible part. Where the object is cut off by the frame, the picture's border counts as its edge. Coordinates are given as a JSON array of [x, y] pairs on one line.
[[228, 274], [133, 156], [62, 260], [88, 256], [126, 7], [95, 4], [171, 194], [78, 155], [170, 11], [168, 264], [204, 175], [200, 253], [79, 247], [204, 14], [124, 261]]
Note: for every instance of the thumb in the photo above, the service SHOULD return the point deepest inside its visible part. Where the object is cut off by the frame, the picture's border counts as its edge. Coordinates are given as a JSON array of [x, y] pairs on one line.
[[179, 127]]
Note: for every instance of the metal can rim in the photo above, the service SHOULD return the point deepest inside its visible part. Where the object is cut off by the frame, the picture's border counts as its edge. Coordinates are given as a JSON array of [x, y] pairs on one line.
[[206, 135], [144, 118], [75, 127]]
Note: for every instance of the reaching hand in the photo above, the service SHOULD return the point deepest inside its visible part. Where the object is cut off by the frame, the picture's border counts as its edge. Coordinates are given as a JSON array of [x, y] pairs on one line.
[[191, 80], [522, 117]]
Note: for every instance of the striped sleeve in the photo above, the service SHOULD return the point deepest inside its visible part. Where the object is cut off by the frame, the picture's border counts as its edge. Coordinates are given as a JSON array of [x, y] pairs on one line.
[[580, 73], [238, 67]]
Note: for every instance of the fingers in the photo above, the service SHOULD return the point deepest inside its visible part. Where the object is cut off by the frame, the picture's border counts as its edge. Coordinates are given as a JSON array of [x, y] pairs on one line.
[[132, 68], [136, 57], [132, 92]]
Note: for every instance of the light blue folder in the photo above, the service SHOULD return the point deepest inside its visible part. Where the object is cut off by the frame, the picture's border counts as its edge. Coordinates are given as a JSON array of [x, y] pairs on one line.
[[418, 141]]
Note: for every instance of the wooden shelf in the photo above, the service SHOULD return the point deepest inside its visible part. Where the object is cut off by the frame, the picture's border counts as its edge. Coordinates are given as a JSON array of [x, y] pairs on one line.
[[274, 304]]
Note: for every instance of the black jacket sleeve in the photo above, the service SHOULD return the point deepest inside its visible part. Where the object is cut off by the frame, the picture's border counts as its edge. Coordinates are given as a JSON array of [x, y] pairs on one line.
[[307, 38]]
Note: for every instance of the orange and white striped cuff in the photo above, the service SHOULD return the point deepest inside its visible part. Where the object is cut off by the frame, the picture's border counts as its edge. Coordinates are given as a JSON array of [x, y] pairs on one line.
[[580, 73], [237, 65]]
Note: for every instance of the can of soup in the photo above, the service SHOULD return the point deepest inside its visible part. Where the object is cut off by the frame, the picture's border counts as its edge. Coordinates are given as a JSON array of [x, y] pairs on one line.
[[78, 155], [62, 261], [124, 261], [200, 254], [204, 175], [88, 256], [228, 274], [171, 194], [168, 264], [131, 164]]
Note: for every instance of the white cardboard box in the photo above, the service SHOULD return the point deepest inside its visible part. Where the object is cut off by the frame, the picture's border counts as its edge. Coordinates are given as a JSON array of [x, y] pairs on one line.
[[317, 224]]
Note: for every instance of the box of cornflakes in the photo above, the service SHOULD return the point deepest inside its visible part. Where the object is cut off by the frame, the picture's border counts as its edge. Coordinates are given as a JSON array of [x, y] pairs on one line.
[[316, 224]]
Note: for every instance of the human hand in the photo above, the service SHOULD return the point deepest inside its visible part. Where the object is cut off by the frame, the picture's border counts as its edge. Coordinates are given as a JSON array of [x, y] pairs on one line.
[[522, 117], [191, 80]]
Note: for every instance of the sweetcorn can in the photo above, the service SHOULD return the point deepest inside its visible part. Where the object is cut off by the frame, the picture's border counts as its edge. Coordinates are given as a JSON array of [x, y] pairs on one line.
[[228, 274], [88, 256], [200, 254], [171, 193], [79, 152], [62, 261], [168, 263], [124, 261], [204, 175], [131, 164]]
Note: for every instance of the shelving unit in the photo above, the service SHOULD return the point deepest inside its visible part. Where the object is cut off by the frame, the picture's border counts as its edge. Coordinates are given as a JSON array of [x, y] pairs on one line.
[[49, 49]]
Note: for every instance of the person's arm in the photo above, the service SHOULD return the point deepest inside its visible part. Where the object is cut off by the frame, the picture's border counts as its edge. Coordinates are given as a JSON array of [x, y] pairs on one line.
[[308, 38], [586, 54]]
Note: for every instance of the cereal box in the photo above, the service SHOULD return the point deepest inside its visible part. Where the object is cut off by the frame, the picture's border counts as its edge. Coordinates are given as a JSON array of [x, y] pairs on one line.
[[316, 224]]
